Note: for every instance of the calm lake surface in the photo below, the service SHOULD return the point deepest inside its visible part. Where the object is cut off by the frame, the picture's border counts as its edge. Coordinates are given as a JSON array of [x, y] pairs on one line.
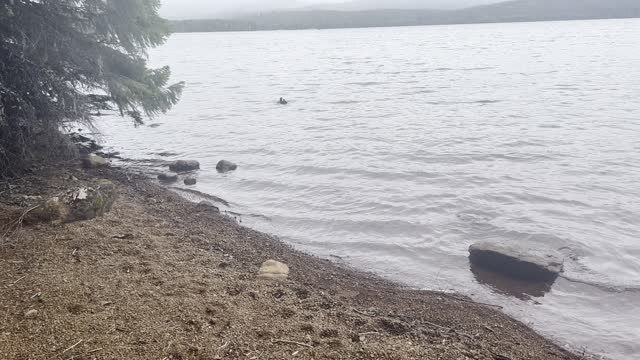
[[400, 147]]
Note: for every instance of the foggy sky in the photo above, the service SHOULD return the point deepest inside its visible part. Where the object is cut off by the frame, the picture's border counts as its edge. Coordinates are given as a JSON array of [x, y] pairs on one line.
[[196, 9]]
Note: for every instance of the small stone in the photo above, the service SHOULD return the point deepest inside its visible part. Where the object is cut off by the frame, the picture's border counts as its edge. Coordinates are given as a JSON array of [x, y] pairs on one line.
[[31, 314], [184, 165], [225, 166], [275, 270], [190, 181], [168, 177]]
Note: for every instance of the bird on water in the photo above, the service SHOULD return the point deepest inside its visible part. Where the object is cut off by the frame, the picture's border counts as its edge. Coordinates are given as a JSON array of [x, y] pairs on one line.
[[283, 101]]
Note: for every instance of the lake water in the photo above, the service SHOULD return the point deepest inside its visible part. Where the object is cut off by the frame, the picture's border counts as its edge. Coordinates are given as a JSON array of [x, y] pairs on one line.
[[400, 147]]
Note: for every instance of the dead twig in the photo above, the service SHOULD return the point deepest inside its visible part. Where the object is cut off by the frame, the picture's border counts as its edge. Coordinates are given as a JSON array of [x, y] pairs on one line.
[[14, 226], [15, 282], [72, 346], [292, 343]]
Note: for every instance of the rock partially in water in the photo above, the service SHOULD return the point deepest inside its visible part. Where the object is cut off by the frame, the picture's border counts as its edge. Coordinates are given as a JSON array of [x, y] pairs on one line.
[[515, 262], [273, 270], [184, 165], [168, 177], [93, 161], [206, 205], [190, 181], [225, 166]]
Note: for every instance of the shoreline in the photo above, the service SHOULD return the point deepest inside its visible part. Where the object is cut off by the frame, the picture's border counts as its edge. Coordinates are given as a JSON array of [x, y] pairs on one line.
[[158, 277]]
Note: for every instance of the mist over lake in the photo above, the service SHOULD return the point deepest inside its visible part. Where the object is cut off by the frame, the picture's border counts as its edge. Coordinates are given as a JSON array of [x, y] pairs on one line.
[[400, 147]]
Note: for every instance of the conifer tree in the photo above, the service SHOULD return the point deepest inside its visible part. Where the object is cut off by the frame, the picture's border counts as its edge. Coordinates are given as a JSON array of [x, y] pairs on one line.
[[66, 60]]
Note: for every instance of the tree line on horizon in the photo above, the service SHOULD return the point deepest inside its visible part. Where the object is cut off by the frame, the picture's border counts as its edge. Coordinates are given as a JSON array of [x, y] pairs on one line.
[[510, 11]]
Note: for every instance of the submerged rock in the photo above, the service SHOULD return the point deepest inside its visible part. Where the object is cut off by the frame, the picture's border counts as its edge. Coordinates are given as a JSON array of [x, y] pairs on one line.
[[190, 181], [93, 161], [168, 177], [272, 269], [515, 262], [184, 165], [224, 166], [206, 205]]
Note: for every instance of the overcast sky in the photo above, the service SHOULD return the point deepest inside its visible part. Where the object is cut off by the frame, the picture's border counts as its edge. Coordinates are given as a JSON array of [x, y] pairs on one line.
[[187, 9]]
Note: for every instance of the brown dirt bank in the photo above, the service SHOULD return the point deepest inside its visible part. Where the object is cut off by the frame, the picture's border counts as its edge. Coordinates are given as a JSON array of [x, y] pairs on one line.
[[159, 279]]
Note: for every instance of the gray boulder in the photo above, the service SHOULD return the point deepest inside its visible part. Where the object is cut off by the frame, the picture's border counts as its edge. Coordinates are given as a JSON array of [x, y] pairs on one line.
[[168, 177], [93, 161], [516, 262], [190, 181], [184, 165], [224, 166]]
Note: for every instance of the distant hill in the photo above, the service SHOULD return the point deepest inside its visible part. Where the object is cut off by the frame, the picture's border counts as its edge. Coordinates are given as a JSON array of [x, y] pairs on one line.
[[510, 11], [361, 5]]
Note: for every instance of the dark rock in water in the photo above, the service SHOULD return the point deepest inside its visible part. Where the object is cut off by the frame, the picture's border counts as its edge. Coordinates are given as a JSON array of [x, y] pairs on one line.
[[508, 285], [184, 165], [206, 205], [515, 262], [190, 181], [224, 166], [93, 161], [168, 177]]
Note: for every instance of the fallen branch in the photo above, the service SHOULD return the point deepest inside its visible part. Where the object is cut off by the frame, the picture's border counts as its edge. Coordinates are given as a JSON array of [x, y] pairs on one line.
[[292, 342], [14, 226]]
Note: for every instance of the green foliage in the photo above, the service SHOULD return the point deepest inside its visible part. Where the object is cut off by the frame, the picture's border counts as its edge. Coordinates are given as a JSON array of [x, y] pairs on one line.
[[67, 60]]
